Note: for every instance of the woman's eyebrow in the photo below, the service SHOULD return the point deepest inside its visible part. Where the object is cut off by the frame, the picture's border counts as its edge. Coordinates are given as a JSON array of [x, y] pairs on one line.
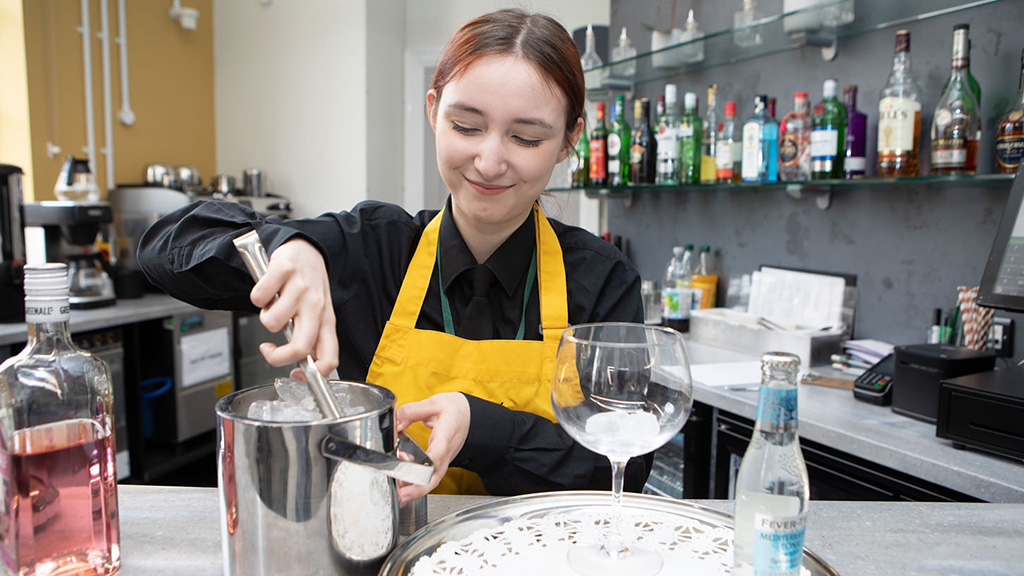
[[529, 121]]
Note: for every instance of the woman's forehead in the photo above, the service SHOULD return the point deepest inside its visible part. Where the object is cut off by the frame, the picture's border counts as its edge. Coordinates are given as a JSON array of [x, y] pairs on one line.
[[496, 82]]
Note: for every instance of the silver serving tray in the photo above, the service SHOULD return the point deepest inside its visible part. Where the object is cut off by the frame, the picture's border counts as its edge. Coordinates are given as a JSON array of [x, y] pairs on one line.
[[495, 513]]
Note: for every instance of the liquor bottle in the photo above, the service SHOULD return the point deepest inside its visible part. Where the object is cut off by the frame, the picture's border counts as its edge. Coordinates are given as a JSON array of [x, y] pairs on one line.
[[579, 161], [795, 141], [668, 138], [57, 429], [828, 135], [692, 50], [855, 163], [704, 281], [751, 163], [709, 143], [690, 137], [676, 291], [624, 58], [899, 117], [643, 148], [594, 71], [1010, 133], [769, 171], [726, 161], [618, 145], [956, 126], [772, 489], [599, 150], [745, 35], [971, 82]]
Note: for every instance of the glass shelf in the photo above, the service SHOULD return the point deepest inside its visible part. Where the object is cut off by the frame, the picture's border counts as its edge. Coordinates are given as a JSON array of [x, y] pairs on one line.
[[781, 33], [821, 189]]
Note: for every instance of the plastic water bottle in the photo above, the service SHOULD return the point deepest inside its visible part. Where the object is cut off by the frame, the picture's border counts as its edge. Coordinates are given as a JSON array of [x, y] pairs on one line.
[[676, 291], [772, 491]]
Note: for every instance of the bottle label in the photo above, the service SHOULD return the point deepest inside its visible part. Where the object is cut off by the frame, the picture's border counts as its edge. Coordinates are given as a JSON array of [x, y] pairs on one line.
[[723, 160], [598, 166], [855, 164], [897, 118], [707, 168], [789, 149], [614, 147], [47, 310], [668, 147], [751, 152], [824, 143], [776, 406], [949, 152], [1009, 151], [778, 544], [676, 303]]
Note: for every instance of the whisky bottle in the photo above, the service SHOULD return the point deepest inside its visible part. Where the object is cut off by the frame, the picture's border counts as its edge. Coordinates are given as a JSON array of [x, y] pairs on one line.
[[772, 488], [972, 83], [899, 117], [795, 141], [643, 148], [956, 126], [1010, 132], [599, 150], [59, 472]]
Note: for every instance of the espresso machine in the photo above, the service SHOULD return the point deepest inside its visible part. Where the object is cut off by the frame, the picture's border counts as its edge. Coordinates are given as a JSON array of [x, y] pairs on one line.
[[12, 246], [70, 230]]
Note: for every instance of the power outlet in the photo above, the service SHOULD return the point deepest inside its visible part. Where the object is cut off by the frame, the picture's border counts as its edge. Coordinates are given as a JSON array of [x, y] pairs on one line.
[[1000, 337]]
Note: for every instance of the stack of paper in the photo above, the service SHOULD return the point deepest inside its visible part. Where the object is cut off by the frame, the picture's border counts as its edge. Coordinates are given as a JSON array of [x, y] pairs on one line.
[[801, 299], [867, 350]]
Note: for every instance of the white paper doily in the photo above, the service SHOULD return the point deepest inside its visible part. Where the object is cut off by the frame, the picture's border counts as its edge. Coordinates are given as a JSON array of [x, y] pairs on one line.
[[538, 546]]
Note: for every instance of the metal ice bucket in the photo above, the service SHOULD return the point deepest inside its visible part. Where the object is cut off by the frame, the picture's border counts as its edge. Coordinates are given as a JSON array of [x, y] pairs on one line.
[[311, 497]]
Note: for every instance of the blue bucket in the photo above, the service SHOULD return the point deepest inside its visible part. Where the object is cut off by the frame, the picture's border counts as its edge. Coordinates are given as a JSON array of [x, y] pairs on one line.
[[156, 410]]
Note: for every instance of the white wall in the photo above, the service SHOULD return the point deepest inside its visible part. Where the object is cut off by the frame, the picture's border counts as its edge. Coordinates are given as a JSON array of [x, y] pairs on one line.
[[312, 92]]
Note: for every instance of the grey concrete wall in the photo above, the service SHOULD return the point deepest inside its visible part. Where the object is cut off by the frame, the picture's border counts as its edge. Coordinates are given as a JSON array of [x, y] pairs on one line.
[[910, 247]]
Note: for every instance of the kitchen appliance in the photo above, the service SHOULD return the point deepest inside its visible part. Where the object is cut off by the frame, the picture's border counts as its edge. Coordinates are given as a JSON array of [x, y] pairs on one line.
[[12, 245], [312, 497], [921, 367], [76, 182], [70, 230], [107, 345], [253, 182], [984, 411], [162, 175], [195, 357], [223, 183]]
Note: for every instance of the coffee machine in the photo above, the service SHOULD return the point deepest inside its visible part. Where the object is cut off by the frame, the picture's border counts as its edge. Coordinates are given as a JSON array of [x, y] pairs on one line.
[[70, 230], [12, 246]]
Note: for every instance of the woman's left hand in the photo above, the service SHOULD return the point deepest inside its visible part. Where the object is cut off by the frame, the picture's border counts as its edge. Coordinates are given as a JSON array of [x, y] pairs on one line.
[[447, 415]]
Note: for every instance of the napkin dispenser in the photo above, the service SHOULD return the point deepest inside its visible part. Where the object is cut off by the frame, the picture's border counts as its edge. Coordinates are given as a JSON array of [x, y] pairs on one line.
[[743, 332], [921, 367]]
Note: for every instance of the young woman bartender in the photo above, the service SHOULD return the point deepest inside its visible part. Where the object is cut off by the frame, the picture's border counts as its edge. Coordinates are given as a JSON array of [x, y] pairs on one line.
[[458, 311]]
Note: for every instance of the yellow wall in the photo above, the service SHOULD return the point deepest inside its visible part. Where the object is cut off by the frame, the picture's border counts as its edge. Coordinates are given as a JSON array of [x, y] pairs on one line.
[[170, 72], [14, 129]]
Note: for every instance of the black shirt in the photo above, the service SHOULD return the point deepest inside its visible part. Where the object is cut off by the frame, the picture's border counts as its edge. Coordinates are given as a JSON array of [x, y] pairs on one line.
[[189, 254]]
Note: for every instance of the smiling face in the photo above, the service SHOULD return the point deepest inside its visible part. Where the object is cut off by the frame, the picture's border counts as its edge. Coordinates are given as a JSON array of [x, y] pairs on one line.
[[499, 131]]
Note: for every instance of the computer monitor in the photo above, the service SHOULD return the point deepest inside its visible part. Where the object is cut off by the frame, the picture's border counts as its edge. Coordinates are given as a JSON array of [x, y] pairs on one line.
[[1002, 284]]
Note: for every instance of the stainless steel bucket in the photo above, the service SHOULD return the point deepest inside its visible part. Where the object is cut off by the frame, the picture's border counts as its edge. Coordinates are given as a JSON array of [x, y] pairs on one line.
[[311, 497]]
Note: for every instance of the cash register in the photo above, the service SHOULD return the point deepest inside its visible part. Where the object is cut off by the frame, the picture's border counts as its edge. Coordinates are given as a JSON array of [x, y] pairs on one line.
[[986, 410]]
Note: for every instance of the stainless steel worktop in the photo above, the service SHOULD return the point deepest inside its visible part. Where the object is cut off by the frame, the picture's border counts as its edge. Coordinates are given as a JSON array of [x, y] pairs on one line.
[[834, 418], [175, 531], [125, 311]]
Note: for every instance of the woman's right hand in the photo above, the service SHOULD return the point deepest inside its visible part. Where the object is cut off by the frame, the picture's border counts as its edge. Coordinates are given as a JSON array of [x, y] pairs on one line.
[[297, 275]]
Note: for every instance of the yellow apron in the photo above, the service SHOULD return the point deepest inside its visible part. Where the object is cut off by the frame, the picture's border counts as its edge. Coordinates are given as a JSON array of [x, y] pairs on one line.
[[416, 364]]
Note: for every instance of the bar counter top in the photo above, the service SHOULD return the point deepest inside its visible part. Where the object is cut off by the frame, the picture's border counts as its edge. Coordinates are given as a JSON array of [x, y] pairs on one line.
[[174, 531]]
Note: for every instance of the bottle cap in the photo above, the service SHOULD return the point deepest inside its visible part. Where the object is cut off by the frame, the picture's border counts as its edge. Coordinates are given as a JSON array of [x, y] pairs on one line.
[[800, 95], [829, 89], [689, 247], [730, 109], [48, 280], [690, 100], [784, 360], [678, 250], [670, 93], [691, 23], [623, 39], [705, 248]]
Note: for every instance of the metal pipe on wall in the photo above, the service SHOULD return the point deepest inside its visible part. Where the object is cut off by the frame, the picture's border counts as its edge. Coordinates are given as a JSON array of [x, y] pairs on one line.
[[108, 122], [126, 115], [90, 129]]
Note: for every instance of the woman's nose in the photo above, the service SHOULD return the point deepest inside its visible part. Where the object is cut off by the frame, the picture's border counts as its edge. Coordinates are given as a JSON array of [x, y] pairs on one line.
[[491, 158]]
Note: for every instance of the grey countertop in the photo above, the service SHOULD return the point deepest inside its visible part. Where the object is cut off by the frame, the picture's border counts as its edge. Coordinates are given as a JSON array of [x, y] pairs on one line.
[[125, 311], [175, 531], [835, 418]]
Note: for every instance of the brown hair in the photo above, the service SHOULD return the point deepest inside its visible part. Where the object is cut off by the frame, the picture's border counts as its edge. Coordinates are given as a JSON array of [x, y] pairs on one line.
[[535, 38]]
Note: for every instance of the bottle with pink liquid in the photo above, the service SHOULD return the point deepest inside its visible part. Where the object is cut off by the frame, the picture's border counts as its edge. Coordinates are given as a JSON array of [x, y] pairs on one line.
[[57, 463]]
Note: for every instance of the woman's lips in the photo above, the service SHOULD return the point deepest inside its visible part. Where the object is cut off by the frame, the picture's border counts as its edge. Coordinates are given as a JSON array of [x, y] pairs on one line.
[[487, 189]]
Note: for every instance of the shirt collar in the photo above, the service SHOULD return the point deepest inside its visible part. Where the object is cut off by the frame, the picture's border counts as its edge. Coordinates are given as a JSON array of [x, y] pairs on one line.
[[509, 263]]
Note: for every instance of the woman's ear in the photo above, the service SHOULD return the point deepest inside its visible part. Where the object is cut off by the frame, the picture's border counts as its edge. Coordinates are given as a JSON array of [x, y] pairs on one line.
[[574, 137], [431, 106]]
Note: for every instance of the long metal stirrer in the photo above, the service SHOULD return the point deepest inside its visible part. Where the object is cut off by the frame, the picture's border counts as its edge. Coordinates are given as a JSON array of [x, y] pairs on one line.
[[255, 258]]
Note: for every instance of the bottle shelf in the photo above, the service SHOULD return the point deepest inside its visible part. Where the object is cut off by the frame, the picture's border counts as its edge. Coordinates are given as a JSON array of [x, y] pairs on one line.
[[821, 190], [781, 33]]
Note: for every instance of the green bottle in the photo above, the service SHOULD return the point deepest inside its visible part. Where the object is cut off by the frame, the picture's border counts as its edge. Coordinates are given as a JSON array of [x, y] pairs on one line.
[[690, 136], [828, 135], [580, 161], [618, 145]]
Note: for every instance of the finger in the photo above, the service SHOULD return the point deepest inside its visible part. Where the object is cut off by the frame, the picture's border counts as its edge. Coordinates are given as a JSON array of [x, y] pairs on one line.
[[409, 492], [281, 355], [263, 293], [327, 346], [425, 411]]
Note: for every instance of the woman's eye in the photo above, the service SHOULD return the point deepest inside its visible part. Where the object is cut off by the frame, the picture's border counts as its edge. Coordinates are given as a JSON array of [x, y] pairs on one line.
[[526, 141], [462, 129]]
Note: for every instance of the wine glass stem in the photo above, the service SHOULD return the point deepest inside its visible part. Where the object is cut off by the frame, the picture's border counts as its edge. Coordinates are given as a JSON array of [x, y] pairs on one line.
[[615, 545]]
